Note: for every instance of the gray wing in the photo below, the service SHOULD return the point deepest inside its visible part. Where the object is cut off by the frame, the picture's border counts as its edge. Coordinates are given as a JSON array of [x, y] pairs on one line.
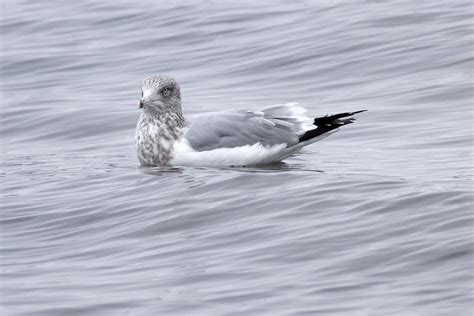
[[275, 125]]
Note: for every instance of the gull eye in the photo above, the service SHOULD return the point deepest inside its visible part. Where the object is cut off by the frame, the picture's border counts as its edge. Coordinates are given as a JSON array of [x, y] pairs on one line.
[[165, 90]]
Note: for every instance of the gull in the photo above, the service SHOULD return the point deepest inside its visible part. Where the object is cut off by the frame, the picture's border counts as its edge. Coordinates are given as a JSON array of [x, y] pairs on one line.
[[232, 138]]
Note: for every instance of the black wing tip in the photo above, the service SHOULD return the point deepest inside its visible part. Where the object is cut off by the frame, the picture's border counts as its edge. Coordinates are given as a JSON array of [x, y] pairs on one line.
[[328, 123], [336, 119]]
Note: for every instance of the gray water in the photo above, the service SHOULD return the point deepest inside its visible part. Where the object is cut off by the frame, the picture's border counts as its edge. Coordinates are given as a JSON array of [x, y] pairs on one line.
[[374, 220]]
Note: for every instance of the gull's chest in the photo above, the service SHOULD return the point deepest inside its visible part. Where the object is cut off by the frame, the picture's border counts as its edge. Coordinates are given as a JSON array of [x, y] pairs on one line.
[[154, 142]]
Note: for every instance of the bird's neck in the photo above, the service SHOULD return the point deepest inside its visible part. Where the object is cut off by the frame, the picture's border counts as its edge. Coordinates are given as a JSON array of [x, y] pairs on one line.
[[168, 120], [169, 117]]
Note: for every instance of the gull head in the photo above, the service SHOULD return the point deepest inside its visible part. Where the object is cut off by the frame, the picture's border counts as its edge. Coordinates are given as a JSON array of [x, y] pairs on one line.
[[160, 93]]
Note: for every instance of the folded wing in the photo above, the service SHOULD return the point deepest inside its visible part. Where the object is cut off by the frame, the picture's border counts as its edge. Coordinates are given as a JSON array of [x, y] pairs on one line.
[[282, 124]]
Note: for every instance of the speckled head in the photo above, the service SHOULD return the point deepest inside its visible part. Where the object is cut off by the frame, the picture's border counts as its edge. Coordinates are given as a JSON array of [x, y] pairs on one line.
[[160, 93]]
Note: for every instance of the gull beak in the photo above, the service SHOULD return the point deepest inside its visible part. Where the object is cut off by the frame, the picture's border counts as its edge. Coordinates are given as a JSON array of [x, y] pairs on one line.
[[140, 103]]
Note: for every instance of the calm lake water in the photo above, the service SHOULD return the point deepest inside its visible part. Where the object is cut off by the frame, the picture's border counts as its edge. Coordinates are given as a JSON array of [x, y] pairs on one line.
[[374, 220]]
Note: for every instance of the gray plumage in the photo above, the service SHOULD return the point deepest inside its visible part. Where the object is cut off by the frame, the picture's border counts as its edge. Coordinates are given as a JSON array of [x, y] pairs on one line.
[[275, 125]]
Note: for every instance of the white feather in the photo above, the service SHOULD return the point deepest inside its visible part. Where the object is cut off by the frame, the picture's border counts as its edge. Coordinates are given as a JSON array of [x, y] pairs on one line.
[[185, 155]]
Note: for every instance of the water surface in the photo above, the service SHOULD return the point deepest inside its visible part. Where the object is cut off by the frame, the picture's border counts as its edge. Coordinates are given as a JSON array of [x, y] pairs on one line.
[[374, 220]]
